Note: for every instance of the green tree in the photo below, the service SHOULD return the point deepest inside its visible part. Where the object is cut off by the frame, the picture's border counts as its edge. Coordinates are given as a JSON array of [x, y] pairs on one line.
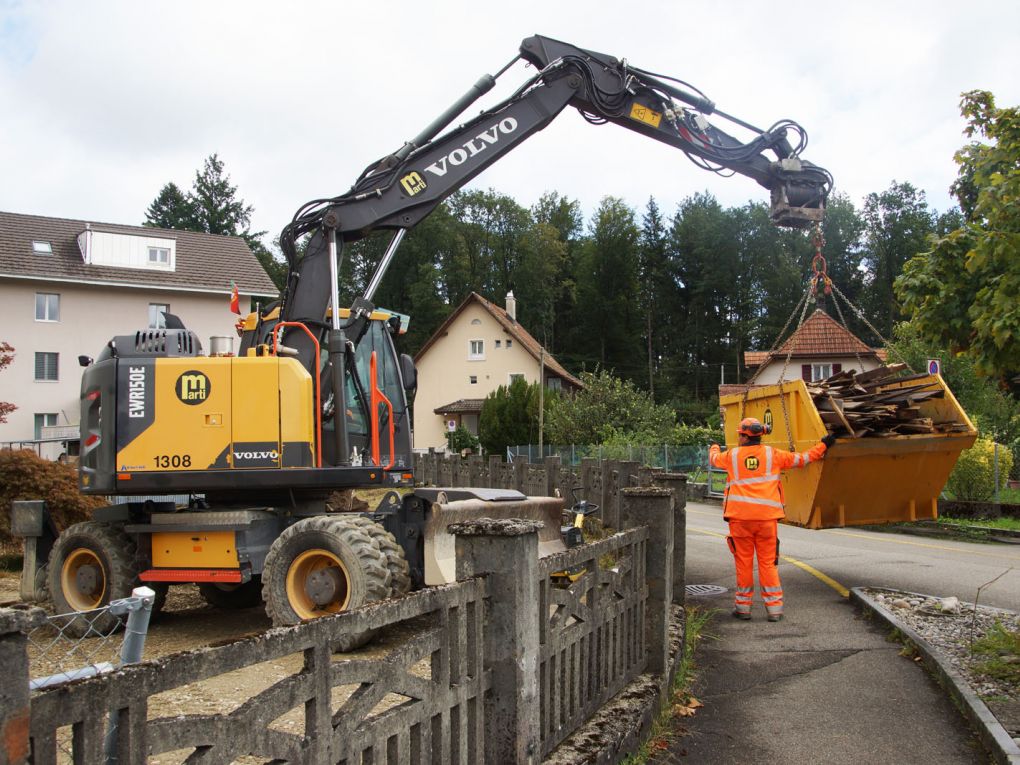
[[898, 223], [510, 416], [606, 407], [566, 217], [6, 357], [653, 281], [607, 286], [963, 292], [172, 209]]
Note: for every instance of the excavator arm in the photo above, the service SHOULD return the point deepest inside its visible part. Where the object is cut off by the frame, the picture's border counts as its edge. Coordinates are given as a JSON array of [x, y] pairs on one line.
[[398, 191], [401, 189]]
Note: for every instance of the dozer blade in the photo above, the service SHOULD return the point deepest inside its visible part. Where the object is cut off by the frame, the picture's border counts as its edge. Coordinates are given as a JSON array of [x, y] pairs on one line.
[[440, 545]]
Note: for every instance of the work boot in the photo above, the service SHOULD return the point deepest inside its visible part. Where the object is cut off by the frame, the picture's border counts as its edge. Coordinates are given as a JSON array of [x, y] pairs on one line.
[[775, 617], [744, 615]]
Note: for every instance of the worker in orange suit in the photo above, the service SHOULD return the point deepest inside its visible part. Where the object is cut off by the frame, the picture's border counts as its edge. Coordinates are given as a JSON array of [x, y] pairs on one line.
[[753, 506]]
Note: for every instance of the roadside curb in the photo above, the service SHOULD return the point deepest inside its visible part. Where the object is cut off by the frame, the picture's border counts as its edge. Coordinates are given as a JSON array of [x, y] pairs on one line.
[[1001, 745]]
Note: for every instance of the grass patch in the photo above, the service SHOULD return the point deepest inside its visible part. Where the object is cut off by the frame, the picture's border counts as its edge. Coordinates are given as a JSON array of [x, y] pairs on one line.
[[1001, 646], [1010, 524], [681, 702]]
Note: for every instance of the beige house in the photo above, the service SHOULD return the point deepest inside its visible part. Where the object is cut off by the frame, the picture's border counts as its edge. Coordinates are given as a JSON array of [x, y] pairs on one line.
[[67, 287], [819, 348], [478, 348]]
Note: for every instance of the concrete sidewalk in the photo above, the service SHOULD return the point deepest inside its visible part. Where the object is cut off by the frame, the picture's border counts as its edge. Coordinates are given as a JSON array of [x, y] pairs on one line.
[[822, 686]]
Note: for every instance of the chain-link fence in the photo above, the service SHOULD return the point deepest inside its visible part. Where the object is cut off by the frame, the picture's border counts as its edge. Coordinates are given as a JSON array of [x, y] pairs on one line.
[[685, 458], [84, 644]]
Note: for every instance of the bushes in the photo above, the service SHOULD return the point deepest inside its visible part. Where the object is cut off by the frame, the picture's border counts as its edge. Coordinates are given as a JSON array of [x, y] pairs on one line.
[[26, 475], [973, 478]]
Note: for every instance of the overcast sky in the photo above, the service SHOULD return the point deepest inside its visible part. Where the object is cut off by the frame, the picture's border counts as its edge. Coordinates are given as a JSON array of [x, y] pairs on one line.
[[104, 102]]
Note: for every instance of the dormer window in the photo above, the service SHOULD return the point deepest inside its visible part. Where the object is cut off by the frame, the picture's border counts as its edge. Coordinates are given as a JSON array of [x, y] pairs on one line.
[[40, 247], [159, 256]]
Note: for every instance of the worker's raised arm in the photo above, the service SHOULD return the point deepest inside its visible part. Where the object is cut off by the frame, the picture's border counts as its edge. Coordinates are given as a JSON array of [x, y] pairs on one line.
[[786, 460], [715, 457]]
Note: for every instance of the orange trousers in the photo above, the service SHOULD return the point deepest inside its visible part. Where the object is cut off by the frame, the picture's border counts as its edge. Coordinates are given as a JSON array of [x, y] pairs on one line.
[[748, 539]]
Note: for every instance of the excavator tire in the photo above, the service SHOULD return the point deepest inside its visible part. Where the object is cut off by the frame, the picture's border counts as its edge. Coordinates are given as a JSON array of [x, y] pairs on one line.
[[232, 597], [400, 572], [321, 566], [90, 565]]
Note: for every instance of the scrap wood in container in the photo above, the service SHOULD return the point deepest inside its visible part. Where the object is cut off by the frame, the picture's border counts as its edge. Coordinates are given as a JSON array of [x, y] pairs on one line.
[[879, 403]]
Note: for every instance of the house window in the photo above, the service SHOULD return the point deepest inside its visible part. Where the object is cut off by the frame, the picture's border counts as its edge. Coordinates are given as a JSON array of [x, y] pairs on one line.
[[514, 377], [47, 306], [159, 256], [473, 379], [476, 350], [44, 421], [497, 343], [476, 322], [554, 383], [820, 371], [40, 247], [46, 366], [509, 343], [157, 320]]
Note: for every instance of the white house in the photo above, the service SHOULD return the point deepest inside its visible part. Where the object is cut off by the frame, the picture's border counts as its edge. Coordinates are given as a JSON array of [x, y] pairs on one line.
[[69, 286], [819, 348], [479, 347]]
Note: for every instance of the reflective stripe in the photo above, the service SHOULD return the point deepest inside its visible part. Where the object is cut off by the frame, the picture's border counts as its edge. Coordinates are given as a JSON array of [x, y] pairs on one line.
[[755, 501], [772, 589], [744, 590], [796, 460], [749, 481], [807, 459], [772, 598], [768, 460], [734, 460], [774, 610]]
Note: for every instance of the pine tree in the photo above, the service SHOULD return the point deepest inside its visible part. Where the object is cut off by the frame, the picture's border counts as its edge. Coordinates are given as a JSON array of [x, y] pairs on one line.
[[172, 209]]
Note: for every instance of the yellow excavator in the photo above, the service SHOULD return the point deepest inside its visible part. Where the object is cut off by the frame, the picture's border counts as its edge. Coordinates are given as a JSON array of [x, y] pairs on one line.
[[317, 399]]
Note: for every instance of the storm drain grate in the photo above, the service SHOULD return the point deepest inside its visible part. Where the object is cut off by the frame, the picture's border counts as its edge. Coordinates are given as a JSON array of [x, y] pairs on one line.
[[704, 589]]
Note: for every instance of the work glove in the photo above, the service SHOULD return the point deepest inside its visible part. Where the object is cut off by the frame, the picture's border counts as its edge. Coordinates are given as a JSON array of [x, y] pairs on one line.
[[829, 440]]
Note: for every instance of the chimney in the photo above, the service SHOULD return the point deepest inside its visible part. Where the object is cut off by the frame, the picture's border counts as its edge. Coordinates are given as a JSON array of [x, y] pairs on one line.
[[511, 305]]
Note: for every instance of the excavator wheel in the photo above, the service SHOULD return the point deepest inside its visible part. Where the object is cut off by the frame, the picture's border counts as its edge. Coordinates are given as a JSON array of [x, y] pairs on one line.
[[321, 566], [90, 565], [400, 572], [232, 597]]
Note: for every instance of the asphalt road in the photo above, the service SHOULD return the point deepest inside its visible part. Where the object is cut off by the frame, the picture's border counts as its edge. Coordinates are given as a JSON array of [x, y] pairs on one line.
[[857, 558]]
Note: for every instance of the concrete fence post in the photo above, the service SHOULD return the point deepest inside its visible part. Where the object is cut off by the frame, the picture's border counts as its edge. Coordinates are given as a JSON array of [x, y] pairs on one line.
[[653, 507], [15, 624], [611, 485], [677, 483], [505, 551], [495, 472], [552, 475], [520, 474]]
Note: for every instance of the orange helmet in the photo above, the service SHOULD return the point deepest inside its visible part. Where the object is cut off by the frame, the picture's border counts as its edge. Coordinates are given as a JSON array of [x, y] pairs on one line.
[[749, 426]]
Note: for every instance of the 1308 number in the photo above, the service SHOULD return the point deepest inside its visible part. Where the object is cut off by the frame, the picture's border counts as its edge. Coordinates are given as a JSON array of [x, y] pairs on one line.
[[172, 460]]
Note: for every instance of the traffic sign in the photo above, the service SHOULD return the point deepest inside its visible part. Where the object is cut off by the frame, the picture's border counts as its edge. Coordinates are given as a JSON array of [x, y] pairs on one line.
[[934, 366]]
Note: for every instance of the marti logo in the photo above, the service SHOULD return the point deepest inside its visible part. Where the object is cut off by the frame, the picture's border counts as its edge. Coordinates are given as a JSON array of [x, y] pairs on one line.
[[476, 145], [751, 463], [193, 387], [413, 183]]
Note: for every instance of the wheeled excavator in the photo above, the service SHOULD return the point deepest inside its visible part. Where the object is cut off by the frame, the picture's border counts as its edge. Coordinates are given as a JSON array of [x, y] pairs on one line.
[[317, 399]]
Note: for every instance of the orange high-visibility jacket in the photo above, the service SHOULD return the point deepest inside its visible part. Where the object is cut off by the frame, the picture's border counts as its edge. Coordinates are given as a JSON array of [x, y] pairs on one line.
[[753, 489]]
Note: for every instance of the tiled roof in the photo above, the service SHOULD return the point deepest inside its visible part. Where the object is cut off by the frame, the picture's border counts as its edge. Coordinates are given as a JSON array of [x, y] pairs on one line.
[[513, 328], [204, 262], [461, 406], [819, 335]]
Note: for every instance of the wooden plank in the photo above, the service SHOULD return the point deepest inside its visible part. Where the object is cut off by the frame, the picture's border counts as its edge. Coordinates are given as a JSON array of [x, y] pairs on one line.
[[839, 410]]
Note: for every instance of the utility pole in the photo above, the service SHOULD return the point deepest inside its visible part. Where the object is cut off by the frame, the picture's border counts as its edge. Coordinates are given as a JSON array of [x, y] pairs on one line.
[[541, 400]]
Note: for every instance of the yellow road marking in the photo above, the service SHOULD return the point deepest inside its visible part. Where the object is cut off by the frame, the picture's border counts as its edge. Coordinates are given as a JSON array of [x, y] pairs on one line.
[[843, 591], [885, 539]]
